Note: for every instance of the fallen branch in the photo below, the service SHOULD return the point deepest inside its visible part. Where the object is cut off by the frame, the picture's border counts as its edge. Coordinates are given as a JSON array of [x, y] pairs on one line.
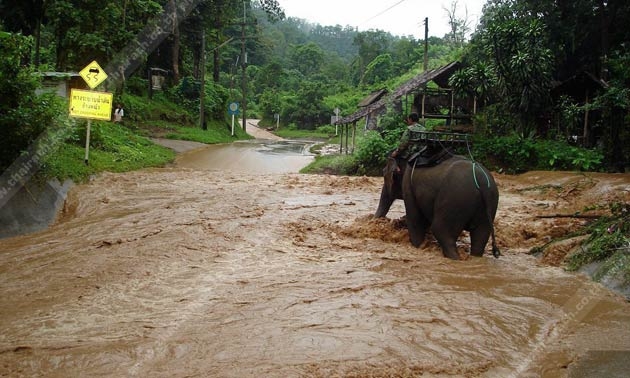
[[586, 216]]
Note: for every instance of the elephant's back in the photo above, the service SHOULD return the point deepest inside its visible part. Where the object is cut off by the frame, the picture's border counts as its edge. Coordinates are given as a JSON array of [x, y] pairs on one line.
[[466, 173]]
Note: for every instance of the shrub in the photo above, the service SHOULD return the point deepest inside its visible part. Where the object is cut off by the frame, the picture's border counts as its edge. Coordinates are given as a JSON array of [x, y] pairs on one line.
[[609, 236], [371, 153], [137, 86], [559, 155], [326, 129], [25, 115], [516, 154]]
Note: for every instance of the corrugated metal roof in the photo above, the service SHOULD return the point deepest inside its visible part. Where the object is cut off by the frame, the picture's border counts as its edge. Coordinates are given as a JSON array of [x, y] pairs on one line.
[[439, 75], [372, 97], [58, 74]]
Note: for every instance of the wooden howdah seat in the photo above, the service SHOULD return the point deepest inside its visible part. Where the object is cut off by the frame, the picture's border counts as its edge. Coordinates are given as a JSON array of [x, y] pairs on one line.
[[434, 147]]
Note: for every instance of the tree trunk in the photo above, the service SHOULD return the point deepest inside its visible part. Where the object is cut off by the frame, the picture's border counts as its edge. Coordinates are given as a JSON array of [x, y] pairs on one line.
[[197, 50], [124, 15], [38, 41], [216, 62], [176, 43]]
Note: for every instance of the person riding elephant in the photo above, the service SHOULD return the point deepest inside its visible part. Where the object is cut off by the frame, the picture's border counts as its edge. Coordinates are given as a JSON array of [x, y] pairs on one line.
[[455, 195], [406, 146]]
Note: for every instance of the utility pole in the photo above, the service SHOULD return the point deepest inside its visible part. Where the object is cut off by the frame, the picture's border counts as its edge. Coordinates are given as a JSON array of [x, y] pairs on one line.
[[426, 43], [426, 64], [244, 66]]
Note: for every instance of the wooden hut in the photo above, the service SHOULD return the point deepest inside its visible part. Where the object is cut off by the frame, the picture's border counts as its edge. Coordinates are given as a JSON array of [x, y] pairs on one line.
[[581, 88], [438, 101], [372, 116]]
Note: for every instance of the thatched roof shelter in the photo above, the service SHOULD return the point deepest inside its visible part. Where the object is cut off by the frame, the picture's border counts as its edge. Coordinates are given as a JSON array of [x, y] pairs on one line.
[[439, 75]]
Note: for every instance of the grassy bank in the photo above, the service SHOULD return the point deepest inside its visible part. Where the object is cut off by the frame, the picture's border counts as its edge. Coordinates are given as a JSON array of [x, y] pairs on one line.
[[125, 147], [113, 148]]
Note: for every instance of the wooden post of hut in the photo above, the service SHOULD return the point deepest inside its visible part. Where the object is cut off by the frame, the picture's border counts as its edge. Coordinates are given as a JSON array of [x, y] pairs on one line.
[[586, 136], [341, 139], [452, 107], [354, 134], [347, 132], [424, 95]]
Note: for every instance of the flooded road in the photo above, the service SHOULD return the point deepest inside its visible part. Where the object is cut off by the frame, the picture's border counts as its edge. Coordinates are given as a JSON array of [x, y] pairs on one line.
[[250, 156], [226, 271]]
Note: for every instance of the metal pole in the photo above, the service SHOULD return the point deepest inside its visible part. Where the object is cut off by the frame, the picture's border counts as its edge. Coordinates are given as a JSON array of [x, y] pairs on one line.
[[87, 141]]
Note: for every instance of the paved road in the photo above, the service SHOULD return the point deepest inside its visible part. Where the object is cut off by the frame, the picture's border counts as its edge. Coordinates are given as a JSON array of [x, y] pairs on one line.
[[259, 133], [180, 146]]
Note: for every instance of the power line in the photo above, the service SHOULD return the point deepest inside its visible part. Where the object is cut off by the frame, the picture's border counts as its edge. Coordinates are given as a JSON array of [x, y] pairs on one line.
[[383, 12]]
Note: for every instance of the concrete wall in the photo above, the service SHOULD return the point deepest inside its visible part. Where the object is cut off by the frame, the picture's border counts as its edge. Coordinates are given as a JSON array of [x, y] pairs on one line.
[[34, 207]]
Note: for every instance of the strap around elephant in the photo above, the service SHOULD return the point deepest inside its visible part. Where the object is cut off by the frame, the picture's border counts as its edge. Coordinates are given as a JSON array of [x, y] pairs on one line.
[[474, 164]]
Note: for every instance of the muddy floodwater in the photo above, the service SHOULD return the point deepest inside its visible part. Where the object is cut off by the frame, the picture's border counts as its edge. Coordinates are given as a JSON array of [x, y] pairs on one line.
[[250, 156], [220, 270]]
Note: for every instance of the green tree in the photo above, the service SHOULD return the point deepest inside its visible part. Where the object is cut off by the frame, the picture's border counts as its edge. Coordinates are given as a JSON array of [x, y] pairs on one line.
[[94, 30], [24, 114], [379, 70], [269, 103], [306, 108], [308, 58], [371, 44], [614, 104], [406, 53], [517, 47], [459, 27], [26, 17]]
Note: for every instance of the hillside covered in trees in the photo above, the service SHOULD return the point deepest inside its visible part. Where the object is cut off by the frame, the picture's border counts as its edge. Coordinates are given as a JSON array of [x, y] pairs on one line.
[[541, 71]]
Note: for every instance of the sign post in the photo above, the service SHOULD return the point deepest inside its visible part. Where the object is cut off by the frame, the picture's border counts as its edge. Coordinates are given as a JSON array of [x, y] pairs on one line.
[[91, 104], [233, 110]]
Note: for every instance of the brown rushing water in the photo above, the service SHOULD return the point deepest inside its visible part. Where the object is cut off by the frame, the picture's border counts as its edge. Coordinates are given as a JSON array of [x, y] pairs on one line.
[[178, 272]]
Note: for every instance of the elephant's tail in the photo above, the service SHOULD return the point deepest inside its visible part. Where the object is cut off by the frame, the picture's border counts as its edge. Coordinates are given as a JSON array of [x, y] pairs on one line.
[[495, 250]]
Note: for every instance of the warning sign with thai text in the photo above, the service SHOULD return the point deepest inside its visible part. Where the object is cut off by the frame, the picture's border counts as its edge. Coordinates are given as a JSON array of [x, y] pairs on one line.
[[91, 104]]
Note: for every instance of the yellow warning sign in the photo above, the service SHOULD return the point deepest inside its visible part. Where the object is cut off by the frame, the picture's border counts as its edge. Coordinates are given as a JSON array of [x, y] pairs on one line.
[[91, 104], [93, 74]]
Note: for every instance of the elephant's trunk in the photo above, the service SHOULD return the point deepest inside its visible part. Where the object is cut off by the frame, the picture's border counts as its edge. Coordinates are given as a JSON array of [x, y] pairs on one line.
[[384, 203], [391, 187]]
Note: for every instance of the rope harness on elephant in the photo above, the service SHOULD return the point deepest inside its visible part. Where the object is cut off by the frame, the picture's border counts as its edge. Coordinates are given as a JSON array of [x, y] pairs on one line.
[[474, 171], [436, 151], [495, 250]]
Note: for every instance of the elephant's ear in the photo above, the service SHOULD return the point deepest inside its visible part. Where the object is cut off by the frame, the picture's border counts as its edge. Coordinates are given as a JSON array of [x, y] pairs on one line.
[[391, 168]]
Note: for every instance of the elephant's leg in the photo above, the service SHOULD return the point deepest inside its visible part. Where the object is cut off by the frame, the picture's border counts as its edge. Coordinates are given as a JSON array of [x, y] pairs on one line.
[[416, 224], [446, 233], [478, 240]]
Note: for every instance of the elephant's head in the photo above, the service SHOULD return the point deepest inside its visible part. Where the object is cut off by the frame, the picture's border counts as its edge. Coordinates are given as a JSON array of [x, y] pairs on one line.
[[392, 188]]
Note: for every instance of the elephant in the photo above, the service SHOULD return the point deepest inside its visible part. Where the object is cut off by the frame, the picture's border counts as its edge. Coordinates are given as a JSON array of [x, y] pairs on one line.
[[453, 195]]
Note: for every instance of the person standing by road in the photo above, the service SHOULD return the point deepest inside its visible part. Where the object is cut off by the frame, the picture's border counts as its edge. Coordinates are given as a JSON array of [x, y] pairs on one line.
[[119, 113]]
